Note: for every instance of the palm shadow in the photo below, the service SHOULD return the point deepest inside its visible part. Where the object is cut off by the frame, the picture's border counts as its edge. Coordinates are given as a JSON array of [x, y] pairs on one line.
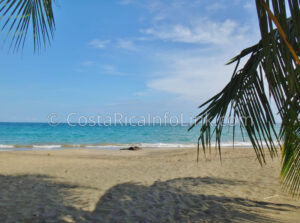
[[175, 201], [36, 198]]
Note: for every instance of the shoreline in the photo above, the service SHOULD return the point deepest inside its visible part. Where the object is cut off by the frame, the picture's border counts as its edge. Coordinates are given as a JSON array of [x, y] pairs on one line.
[[111, 146]]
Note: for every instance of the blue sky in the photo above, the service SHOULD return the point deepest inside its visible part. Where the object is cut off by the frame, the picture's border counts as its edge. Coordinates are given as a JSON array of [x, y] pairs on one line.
[[128, 56]]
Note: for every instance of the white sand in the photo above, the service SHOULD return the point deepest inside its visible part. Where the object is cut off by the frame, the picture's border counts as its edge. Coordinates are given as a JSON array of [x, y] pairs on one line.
[[141, 186]]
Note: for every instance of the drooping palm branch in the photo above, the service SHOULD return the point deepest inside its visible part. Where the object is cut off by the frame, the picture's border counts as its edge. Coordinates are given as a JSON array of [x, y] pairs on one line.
[[270, 69], [16, 17]]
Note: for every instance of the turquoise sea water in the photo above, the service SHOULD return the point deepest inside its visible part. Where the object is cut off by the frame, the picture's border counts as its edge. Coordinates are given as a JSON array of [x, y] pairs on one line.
[[37, 136]]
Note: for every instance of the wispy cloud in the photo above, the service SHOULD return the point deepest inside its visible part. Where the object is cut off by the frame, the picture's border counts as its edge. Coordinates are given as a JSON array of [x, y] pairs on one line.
[[88, 63], [215, 7], [100, 44], [195, 71], [249, 5], [140, 93], [109, 69], [125, 2], [93, 67], [193, 75], [203, 31], [127, 44]]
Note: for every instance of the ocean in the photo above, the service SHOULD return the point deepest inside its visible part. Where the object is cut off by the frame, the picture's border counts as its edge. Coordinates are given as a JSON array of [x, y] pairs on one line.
[[42, 136]]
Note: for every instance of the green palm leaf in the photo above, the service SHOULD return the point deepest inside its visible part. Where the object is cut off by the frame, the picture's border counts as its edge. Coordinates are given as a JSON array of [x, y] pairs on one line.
[[270, 63], [16, 17]]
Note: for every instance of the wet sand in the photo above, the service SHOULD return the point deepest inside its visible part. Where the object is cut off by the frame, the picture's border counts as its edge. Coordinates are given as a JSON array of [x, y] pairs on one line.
[[162, 185]]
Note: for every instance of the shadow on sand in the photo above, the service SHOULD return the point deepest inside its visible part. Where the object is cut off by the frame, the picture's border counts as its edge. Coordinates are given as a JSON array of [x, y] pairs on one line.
[[31, 198]]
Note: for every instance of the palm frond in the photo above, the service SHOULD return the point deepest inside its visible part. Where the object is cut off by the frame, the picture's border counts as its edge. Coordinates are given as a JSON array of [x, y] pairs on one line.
[[16, 17], [270, 63]]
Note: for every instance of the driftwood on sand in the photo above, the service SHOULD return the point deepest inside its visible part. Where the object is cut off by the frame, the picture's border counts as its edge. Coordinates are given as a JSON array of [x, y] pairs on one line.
[[132, 148]]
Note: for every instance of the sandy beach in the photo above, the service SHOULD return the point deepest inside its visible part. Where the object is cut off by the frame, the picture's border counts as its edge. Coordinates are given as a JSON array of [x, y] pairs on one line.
[[161, 185]]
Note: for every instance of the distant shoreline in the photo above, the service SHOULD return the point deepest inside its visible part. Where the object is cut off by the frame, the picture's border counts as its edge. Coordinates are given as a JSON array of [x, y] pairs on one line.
[[111, 147]]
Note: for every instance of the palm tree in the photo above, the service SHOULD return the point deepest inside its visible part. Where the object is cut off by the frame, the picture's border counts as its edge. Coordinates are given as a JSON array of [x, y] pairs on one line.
[[16, 17], [272, 67]]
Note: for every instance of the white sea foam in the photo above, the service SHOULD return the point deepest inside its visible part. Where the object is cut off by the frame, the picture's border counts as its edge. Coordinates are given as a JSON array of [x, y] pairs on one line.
[[106, 146], [143, 145], [120, 146], [236, 144], [6, 146], [190, 145], [166, 145], [240, 144], [46, 146]]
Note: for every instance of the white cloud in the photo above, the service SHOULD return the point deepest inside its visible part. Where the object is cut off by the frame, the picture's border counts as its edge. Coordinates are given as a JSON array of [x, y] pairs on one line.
[[249, 5], [191, 75], [199, 73], [121, 43], [95, 67], [127, 44], [140, 93], [193, 72], [196, 74], [109, 69], [100, 44], [204, 31], [88, 63], [125, 2], [215, 7]]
